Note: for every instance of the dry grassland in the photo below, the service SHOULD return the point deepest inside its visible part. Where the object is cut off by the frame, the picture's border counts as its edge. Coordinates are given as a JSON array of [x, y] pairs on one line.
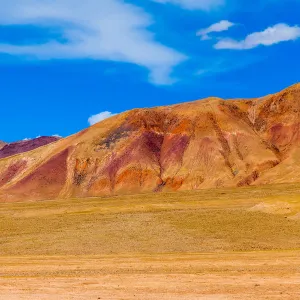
[[212, 244]]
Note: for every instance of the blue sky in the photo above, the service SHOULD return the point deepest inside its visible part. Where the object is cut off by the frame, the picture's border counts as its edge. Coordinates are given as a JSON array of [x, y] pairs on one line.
[[67, 63]]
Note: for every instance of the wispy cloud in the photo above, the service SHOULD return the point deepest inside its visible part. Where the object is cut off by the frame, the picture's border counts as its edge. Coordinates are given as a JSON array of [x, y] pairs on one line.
[[228, 64], [101, 30], [272, 35], [194, 4], [223, 25], [100, 117]]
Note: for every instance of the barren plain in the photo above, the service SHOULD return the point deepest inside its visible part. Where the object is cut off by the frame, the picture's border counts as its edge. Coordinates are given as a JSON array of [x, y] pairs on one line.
[[211, 244]]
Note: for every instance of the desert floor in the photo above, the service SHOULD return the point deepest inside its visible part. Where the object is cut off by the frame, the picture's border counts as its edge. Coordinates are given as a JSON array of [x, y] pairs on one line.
[[213, 244]]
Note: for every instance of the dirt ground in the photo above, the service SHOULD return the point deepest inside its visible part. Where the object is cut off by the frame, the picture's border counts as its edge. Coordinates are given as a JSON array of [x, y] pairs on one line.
[[261, 275], [217, 244]]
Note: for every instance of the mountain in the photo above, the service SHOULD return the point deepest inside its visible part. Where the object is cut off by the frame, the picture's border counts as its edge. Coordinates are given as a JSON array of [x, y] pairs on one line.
[[208, 143], [2, 144], [11, 149]]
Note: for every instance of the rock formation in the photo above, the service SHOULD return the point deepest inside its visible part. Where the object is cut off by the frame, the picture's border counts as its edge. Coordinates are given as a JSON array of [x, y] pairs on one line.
[[207, 143]]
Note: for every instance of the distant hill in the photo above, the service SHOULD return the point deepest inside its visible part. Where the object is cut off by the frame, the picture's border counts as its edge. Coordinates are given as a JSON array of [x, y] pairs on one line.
[[2, 144], [207, 143], [25, 146]]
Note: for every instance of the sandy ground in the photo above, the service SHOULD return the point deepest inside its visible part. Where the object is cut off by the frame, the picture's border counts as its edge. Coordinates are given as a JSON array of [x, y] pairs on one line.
[[260, 275], [154, 247]]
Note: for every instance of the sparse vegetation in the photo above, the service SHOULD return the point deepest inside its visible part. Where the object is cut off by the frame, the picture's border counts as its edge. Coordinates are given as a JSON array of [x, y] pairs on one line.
[[230, 243], [202, 221]]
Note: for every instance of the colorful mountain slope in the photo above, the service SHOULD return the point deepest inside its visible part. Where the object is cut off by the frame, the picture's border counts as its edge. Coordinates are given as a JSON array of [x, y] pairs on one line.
[[202, 144], [24, 146], [2, 144]]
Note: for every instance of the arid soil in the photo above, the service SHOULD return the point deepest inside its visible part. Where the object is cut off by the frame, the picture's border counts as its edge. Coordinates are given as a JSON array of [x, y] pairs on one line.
[[211, 244], [261, 275]]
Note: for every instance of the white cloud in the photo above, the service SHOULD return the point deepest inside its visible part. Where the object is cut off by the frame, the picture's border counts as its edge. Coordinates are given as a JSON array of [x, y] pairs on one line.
[[217, 27], [57, 135], [101, 30], [100, 117], [194, 4], [270, 36]]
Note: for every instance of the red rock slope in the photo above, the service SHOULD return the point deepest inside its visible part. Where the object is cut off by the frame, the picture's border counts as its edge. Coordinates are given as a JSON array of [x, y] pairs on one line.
[[25, 146], [202, 144], [2, 144]]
